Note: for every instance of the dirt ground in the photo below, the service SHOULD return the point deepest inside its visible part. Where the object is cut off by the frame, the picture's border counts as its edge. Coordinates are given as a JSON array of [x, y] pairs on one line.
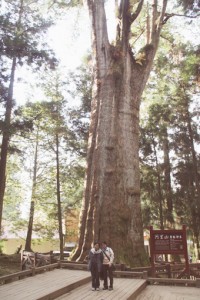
[[10, 264]]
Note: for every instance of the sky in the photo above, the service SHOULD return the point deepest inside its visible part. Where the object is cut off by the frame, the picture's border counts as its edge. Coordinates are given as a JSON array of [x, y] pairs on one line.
[[69, 46], [70, 40], [70, 37]]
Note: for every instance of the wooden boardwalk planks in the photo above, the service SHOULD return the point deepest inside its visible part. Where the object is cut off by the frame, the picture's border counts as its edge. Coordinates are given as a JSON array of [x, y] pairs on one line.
[[153, 292], [123, 289], [38, 287]]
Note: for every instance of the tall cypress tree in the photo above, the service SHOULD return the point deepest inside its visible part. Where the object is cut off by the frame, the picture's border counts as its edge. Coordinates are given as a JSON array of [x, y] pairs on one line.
[[22, 30]]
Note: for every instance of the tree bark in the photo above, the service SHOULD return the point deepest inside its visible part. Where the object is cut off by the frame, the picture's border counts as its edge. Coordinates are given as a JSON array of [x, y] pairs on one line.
[[159, 189], [111, 208], [58, 197], [6, 138], [167, 178], [33, 198]]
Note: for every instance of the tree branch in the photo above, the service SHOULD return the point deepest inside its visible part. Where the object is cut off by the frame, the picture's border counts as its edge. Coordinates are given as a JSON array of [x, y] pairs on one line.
[[148, 25], [167, 16], [117, 12], [162, 14], [154, 17], [157, 21], [137, 12]]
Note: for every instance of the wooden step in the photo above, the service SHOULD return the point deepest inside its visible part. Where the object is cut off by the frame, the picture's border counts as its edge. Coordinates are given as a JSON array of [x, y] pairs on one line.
[[123, 289], [45, 286]]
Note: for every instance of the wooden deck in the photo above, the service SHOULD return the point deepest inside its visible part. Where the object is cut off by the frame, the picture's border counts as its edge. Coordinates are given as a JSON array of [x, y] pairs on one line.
[[123, 289], [48, 285], [68, 284], [153, 292]]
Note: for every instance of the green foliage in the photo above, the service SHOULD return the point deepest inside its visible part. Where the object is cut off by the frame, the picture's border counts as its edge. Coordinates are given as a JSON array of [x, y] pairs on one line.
[[79, 116], [1, 246], [64, 4], [22, 30], [191, 6], [53, 117], [14, 191], [170, 106]]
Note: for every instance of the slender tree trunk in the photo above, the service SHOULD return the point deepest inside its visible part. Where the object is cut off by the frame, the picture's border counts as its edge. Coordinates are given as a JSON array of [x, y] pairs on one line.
[[160, 194], [194, 214], [59, 198], [111, 208], [167, 177], [7, 122], [33, 198], [6, 138]]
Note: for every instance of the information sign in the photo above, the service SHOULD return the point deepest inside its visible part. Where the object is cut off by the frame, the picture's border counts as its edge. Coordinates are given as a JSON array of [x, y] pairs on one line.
[[168, 242]]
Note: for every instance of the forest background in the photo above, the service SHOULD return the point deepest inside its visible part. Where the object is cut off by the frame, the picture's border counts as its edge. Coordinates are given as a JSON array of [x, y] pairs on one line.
[[44, 140]]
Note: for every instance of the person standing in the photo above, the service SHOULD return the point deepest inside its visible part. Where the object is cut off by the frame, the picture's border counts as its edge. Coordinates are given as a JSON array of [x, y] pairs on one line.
[[95, 265], [108, 258]]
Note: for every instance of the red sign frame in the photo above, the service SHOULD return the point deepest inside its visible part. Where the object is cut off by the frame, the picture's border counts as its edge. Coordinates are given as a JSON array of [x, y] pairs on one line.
[[168, 242]]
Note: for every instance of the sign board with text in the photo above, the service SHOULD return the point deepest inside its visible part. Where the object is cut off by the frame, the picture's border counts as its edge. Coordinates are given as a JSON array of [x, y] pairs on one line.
[[168, 242]]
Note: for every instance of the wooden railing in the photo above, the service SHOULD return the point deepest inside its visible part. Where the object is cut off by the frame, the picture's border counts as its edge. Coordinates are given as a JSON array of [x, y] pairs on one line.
[[167, 270], [195, 270], [34, 259], [163, 272], [31, 272], [31, 260], [118, 273], [173, 281]]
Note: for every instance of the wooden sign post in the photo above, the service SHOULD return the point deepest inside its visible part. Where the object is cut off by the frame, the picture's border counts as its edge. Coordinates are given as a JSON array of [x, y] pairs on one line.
[[168, 242]]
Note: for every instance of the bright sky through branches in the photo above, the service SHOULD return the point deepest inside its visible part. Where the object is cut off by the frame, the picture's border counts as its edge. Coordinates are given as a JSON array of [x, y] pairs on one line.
[[70, 40]]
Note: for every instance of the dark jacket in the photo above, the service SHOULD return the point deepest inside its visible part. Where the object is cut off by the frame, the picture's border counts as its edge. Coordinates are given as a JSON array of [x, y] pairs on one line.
[[95, 258]]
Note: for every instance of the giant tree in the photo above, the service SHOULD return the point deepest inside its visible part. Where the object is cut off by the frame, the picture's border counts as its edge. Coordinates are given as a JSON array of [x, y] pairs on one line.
[[111, 205], [111, 208]]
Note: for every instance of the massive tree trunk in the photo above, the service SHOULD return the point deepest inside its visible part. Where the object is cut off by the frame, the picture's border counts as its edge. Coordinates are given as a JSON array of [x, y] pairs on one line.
[[111, 208]]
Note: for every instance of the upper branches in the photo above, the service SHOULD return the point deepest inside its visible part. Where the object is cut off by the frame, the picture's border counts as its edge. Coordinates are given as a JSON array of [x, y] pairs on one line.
[[157, 21], [137, 11], [126, 15]]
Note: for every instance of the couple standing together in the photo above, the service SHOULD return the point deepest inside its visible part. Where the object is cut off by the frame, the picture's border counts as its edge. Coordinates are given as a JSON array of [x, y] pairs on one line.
[[101, 260]]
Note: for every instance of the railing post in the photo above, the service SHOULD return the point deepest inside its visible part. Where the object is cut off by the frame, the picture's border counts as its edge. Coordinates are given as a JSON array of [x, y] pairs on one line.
[[198, 282], [33, 271], [144, 274], [35, 259], [22, 252], [51, 257], [59, 264], [168, 267]]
